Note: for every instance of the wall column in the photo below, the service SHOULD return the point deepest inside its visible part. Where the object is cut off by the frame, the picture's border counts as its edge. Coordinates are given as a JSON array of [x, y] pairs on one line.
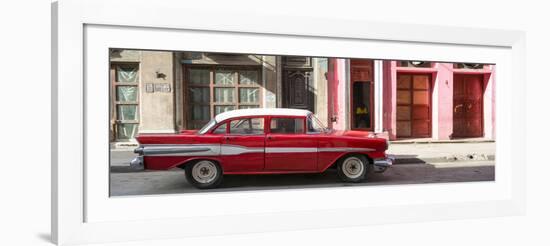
[[489, 104], [391, 100], [157, 103], [378, 96], [442, 102]]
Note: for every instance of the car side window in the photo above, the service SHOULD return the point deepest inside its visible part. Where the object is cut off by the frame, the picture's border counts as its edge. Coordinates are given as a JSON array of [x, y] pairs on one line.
[[247, 126], [287, 125], [221, 129]]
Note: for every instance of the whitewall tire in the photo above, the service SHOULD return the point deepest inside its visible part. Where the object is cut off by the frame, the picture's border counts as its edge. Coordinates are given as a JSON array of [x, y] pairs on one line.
[[353, 168], [204, 174]]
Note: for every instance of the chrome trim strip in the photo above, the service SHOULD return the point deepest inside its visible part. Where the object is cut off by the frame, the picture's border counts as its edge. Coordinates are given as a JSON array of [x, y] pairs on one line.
[[173, 150], [290, 150], [180, 150], [230, 149], [345, 149]]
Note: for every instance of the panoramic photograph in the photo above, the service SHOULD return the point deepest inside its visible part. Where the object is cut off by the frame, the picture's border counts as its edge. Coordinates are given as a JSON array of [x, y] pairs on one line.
[[187, 122]]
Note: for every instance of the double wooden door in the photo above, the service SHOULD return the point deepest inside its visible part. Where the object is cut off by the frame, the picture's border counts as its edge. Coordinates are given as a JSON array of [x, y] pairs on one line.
[[414, 105], [467, 105]]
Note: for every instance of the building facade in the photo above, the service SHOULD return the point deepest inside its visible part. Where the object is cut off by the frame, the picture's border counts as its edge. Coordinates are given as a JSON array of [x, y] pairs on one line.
[[167, 92]]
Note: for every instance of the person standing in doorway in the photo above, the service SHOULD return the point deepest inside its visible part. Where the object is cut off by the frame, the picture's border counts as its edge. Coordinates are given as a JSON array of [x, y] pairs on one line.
[[362, 117]]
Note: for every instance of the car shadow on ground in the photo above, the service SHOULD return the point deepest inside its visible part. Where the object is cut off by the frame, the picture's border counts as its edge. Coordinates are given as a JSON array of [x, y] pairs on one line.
[[124, 169], [405, 174], [407, 159]]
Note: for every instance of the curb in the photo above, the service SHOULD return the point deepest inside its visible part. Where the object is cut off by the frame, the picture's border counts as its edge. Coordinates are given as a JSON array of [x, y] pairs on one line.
[[440, 141], [421, 160]]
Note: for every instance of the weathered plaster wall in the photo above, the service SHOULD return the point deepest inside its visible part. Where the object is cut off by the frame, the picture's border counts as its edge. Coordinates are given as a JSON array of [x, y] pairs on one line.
[[270, 80], [320, 68], [118, 55], [179, 96], [156, 108]]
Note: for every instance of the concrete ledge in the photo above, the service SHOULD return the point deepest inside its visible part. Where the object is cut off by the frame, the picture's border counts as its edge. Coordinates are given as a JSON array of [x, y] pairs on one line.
[[438, 159], [430, 141], [130, 145]]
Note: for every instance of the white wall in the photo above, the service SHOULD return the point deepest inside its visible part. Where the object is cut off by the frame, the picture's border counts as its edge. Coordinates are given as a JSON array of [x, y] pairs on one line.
[[25, 97]]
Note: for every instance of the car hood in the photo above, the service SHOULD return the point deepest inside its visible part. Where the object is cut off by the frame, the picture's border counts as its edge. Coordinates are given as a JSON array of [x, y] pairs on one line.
[[352, 133], [188, 132]]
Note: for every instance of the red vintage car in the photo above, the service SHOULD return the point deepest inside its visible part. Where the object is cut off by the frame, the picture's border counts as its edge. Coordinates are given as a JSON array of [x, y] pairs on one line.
[[263, 141]]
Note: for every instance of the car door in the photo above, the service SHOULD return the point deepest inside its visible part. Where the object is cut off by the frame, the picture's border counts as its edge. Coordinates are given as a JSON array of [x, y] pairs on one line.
[[288, 147], [243, 145]]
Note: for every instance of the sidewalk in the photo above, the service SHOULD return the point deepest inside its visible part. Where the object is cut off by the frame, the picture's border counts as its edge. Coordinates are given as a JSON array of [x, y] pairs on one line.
[[429, 152]]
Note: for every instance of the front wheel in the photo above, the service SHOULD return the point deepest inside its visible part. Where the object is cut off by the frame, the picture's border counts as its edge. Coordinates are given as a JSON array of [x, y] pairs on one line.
[[353, 168], [204, 174]]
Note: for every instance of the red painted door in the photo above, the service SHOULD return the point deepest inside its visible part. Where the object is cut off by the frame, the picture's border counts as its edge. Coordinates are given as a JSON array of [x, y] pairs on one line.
[[243, 145], [414, 106], [467, 105], [288, 147]]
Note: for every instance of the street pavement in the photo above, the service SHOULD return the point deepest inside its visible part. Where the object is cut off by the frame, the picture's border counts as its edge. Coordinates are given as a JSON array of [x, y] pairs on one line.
[[442, 163]]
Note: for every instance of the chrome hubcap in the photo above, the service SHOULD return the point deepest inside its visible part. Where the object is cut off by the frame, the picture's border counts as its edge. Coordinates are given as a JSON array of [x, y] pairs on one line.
[[204, 172], [352, 167]]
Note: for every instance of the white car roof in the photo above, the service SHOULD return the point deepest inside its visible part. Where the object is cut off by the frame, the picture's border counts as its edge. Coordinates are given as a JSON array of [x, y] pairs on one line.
[[261, 111]]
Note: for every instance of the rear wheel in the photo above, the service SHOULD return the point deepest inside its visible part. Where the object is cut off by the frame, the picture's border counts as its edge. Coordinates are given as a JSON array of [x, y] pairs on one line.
[[204, 174], [353, 168]]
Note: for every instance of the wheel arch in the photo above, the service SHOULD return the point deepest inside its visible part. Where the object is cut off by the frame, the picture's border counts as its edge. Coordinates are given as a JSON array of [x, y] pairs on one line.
[[345, 155], [197, 159]]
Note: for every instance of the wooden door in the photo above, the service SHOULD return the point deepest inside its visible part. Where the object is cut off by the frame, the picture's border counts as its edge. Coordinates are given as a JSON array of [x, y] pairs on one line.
[[296, 89], [414, 106], [467, 105]]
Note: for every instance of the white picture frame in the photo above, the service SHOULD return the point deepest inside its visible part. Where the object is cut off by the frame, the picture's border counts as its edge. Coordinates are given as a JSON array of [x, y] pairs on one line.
[[83, 212]]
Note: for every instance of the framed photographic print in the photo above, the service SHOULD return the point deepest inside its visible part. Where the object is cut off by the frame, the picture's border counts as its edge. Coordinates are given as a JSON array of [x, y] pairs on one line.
[[165, 126]]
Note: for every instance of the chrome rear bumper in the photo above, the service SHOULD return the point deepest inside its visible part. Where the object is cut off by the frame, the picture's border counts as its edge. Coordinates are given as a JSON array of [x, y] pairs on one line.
[[137, 162]]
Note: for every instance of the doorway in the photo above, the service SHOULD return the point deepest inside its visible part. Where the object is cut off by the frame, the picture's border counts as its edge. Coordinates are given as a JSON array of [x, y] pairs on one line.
[[362, 94], [414, 106], [297, 83], [467, 105]]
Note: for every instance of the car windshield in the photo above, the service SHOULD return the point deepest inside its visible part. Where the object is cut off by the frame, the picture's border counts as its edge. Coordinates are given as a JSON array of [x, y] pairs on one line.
[[314, 125], [207, 127]]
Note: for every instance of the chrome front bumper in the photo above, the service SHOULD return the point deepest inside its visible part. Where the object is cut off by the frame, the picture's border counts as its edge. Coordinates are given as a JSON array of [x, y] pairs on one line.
[[137, 162], [380, 165]]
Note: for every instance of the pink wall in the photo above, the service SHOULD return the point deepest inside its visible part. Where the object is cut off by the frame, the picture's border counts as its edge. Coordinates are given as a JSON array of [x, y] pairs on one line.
[[489, 103], [442, 101], [337, 93], [389, 105], [442, 98]]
